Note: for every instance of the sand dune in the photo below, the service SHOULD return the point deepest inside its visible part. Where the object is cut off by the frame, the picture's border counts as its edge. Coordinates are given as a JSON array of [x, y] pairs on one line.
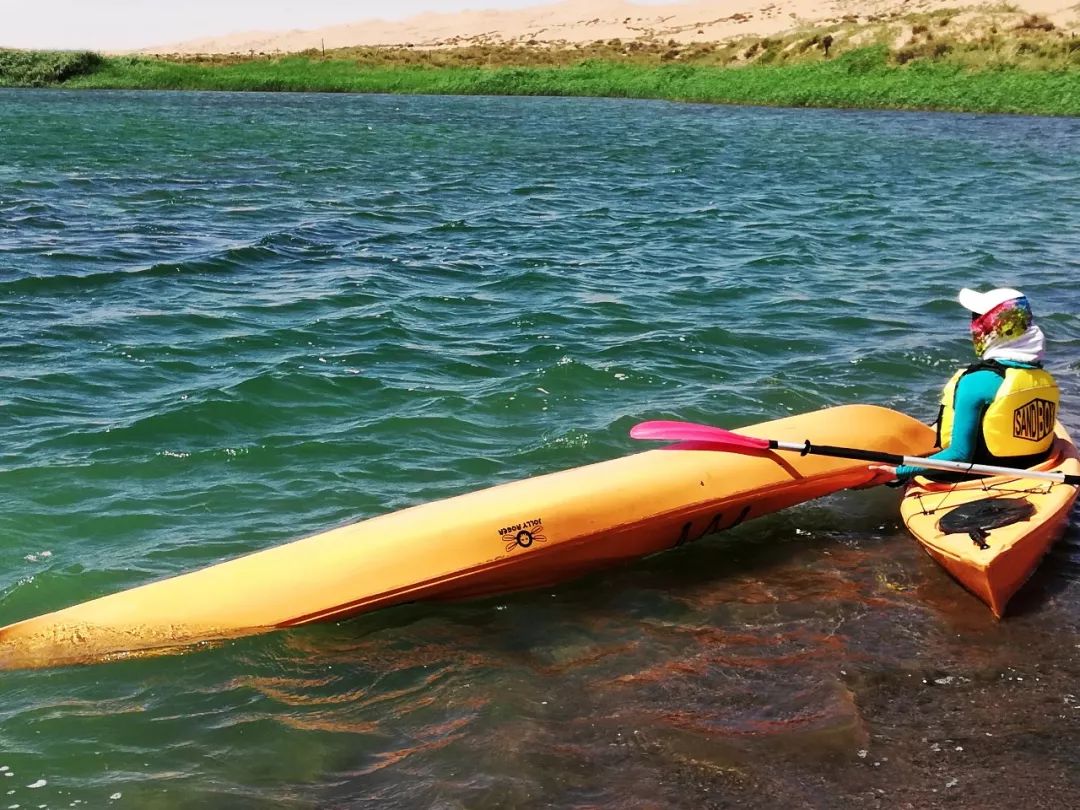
[[576, 21]]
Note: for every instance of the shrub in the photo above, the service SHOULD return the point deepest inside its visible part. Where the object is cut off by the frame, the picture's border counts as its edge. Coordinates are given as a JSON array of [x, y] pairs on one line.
[[43, 68], [1036, 22], [863, 60]]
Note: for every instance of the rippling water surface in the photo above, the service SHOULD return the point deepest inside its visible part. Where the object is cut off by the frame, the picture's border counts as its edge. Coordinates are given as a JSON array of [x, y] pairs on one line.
[[230, 320]]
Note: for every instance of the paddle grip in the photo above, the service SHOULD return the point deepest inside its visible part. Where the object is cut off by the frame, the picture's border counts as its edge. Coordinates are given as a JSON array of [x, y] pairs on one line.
[[852, 452]]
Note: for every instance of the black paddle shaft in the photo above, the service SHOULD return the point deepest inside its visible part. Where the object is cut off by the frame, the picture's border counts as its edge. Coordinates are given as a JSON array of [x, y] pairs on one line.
[[839, 452]]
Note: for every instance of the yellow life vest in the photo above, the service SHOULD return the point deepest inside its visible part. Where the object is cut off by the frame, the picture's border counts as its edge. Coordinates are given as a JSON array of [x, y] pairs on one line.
[[1019, 422]]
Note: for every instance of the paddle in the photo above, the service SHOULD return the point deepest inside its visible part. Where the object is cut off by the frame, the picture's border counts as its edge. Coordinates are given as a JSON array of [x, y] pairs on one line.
[[721, 439]]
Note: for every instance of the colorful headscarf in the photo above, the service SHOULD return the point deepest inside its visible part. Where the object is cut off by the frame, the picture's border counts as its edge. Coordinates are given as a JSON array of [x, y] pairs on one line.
[[1007, 332]]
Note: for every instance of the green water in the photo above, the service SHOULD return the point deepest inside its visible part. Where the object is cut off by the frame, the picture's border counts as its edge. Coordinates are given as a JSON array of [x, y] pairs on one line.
[[229, 320]]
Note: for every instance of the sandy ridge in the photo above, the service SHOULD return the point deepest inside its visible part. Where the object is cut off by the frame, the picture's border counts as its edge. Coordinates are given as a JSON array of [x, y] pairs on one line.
[[579, 21]]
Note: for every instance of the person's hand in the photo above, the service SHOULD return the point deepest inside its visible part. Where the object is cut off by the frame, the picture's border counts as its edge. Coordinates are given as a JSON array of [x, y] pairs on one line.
[[880, 474]]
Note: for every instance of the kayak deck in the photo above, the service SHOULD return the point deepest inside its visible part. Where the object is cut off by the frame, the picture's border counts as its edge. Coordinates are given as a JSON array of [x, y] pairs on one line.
[[993, 563], [518, 535]]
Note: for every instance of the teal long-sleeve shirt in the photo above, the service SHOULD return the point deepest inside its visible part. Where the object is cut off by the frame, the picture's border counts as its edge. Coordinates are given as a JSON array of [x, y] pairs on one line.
[[974, 393]]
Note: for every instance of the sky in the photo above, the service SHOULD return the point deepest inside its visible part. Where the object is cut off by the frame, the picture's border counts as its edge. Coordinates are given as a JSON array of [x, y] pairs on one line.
[[129, 24]]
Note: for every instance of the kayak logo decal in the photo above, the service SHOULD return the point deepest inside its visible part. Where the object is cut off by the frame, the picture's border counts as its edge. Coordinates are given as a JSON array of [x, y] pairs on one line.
[[523, 535], [1034, 421]]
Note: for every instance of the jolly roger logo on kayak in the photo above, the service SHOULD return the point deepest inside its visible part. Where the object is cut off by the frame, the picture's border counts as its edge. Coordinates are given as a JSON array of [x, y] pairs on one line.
[[523, 535]]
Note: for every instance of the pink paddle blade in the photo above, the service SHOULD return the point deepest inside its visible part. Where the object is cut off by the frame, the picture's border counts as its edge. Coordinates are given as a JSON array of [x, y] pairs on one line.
[[691, 432]]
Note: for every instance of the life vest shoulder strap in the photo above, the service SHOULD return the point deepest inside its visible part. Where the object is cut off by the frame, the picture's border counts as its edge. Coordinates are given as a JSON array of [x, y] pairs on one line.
[[987, 365]]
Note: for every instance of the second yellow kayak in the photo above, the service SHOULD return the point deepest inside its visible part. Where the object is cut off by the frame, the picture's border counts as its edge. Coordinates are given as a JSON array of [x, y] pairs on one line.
[[991, 533], [518, 535]]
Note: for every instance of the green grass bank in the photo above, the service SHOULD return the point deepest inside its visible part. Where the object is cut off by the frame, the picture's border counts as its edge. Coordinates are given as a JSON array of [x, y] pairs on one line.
[[926, 74]]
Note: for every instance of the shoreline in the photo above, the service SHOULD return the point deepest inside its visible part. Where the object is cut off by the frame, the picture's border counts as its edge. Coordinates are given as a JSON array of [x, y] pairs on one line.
[[937, 61], [860, 79]]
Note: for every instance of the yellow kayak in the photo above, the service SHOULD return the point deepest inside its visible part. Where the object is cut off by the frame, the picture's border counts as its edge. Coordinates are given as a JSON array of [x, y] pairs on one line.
[[518, 535], [991, 533]]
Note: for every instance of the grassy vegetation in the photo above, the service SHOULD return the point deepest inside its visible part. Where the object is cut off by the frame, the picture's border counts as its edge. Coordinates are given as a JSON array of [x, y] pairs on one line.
[[41, 69], [859, 78], [1004, 62]]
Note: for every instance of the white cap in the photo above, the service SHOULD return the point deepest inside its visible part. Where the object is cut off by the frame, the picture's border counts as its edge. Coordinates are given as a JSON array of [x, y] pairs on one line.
[[981, 303]]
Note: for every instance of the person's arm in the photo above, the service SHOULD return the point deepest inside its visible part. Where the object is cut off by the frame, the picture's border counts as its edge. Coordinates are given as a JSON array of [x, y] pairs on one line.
[[974, 393]]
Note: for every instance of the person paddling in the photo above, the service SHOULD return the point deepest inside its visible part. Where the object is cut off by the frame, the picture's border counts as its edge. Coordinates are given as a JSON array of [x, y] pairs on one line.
[[1002, 409]]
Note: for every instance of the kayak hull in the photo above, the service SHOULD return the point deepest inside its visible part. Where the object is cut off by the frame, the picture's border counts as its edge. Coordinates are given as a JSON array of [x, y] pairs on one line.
[[517, 535], [994, 574]]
